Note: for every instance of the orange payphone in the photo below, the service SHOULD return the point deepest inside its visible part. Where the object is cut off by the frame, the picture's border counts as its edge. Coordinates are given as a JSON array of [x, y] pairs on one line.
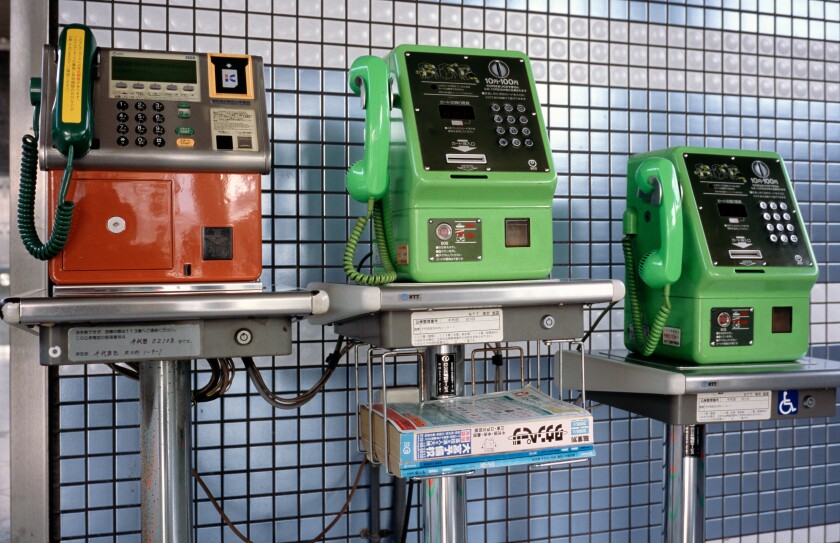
[[154, 164]]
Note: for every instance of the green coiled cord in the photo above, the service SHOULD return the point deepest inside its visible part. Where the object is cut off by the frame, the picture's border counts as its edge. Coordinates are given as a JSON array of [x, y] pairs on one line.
[[26, 204], [374, 210], [658, 325]]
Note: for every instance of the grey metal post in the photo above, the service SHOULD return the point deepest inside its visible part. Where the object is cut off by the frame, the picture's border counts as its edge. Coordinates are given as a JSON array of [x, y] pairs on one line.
[[684, 484], [165, 452], [444, 498], [28, 405]]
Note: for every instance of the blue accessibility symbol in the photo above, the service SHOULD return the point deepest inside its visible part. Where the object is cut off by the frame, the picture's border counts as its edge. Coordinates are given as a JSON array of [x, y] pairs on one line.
[[788, 402]]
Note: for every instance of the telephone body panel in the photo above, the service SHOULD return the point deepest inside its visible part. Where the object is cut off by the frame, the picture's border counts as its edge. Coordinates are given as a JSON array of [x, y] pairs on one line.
[[170, 189], [747, 268], [469, 164]]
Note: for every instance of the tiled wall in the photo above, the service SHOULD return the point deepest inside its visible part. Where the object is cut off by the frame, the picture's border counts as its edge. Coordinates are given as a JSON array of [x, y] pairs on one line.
[[615, 77]]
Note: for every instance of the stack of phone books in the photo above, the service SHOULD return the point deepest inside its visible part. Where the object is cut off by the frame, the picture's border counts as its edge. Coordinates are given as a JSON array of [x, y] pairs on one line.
[[517, 427]]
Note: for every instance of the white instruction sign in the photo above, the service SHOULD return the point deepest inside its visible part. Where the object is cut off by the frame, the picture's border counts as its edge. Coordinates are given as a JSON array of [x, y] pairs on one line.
[[138, 342], [461, 326], [234, 129], [733, 406]]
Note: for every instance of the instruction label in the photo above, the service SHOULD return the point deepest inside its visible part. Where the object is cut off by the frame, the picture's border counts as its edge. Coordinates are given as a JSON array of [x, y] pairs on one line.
[[462, 326], [234, 129], [121, 343], [732, 326], [733, 406], [72, 78]]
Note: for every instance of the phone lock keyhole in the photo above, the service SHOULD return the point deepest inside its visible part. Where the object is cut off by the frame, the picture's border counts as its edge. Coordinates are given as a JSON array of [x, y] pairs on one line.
[[647, 216]]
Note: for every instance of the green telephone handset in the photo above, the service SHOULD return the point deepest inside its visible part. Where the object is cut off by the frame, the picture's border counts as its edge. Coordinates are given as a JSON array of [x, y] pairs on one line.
[[655, 180], [72, 134], [368, 179]]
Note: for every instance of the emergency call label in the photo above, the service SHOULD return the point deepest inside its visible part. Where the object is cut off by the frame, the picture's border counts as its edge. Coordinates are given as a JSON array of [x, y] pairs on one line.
[[121, 343], [732, 327], [448, 327], [454, 240], [733, 406]]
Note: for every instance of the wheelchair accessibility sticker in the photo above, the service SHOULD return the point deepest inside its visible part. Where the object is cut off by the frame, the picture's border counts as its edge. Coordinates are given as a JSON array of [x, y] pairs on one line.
[[788, 402]]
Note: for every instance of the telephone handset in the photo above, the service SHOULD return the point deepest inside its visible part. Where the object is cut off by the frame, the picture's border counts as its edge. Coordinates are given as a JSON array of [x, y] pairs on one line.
[[655, 181], [72, 135], [368, 179]]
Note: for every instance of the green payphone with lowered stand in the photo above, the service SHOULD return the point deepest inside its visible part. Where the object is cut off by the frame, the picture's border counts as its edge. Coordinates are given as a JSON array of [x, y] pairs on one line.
[[718, 264], [457, 171]]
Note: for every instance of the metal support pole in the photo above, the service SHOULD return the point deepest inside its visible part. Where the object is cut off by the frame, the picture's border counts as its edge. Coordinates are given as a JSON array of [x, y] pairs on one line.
[[165, 452], [684, 484], [444, 498]]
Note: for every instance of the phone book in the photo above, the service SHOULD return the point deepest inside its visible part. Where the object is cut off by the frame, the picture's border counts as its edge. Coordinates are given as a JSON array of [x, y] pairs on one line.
[[498, 429]]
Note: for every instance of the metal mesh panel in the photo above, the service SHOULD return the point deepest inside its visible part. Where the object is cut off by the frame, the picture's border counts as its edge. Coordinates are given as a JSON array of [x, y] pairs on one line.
[[615, 77]]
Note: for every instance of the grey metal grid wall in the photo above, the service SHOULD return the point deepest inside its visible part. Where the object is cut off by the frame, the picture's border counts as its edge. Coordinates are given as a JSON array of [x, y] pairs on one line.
[[615, 77]]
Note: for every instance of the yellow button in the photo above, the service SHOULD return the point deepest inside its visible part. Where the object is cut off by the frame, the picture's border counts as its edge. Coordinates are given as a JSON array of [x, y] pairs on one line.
[[185, 142]]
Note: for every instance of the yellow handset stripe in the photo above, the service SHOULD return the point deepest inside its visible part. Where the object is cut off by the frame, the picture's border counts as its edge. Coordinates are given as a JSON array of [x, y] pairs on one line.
[[71, 79]]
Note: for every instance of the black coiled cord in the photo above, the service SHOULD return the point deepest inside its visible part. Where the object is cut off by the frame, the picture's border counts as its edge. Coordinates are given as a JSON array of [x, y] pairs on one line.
[[26, 204]]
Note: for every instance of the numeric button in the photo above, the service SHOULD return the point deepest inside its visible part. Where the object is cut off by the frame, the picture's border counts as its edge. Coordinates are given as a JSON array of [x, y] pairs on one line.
[[495, 107], [529, 143], [500, 130], [498, 118], [523, 119], [159, 142], [157, 106], [122, 141], [520, 108], [503, 142], [511, 119], [140, 141], [158, 118], [122, 129], [122, 105], [508, 108], [516, 142], [140, 128], [122, 116], [140, 117], [140, 106], [526, 131], [158, 130]]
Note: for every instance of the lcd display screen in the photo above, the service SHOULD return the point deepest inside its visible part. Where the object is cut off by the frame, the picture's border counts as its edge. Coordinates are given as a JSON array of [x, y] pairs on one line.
[[457, 113], [161, 70], [732, 210]]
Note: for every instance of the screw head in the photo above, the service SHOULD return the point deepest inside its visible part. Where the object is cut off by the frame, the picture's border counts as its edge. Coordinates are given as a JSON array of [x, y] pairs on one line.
[[548, 322]]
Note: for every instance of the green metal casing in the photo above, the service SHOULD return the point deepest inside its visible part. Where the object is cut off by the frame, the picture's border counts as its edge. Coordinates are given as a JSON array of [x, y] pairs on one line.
[[418, 195], [707, 286]]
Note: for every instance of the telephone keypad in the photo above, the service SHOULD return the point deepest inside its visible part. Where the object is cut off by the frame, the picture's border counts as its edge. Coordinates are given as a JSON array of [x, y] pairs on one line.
[[778, 222]]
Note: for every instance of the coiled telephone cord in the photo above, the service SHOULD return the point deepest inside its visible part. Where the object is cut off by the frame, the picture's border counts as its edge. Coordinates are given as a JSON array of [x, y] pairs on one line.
[[389, 275], [658, 325], [26, 204]]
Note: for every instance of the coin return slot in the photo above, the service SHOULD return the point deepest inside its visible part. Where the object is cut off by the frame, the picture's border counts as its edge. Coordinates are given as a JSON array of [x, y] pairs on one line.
[[517, 232], [782, 320]]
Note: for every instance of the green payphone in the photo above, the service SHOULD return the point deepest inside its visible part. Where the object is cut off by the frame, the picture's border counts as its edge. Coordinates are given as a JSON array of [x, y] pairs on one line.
[[718, 264], [457, 171]]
